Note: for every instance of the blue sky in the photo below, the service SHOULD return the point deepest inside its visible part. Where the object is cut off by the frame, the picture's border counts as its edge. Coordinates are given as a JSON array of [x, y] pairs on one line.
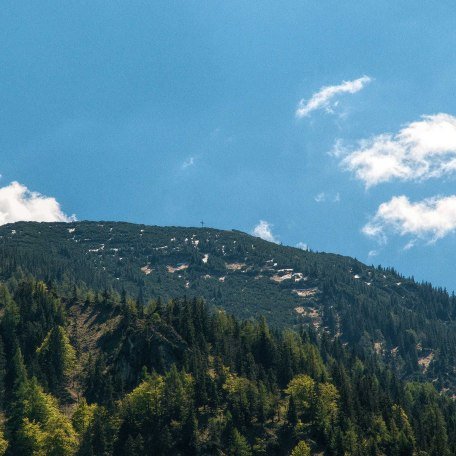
[[171, 112]]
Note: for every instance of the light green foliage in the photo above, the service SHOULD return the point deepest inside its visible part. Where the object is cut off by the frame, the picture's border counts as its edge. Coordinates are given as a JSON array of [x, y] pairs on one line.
[[302, 388], [3, 443], [57, 345], [405, 435], [145, 399], [303, 356], [327, 407], [235, 385], [83, 416], [31, 439], [301, 449], [44, 426], [178, 393]]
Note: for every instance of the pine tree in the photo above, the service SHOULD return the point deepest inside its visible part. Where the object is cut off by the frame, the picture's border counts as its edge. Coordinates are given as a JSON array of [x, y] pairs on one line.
[[292, 414], [57, 358], [239, 445]]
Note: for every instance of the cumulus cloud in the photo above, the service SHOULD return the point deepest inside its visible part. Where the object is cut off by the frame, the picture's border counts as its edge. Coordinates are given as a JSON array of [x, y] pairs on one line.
[[302, 246], [324, 98], [430, 219], [421, 150], [18, 203], [264, 231]]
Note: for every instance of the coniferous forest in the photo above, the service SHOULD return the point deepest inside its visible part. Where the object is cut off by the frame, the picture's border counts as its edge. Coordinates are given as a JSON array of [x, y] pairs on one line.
[[99, 374], [88, 368]]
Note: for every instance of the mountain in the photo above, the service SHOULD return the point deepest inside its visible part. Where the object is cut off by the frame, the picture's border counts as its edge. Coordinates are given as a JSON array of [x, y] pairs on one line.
[[410, 326], [106, 347]]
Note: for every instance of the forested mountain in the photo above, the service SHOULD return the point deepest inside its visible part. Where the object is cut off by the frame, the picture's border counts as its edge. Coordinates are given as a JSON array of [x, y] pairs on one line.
[[410, 326], [92, 373], [122, 339]]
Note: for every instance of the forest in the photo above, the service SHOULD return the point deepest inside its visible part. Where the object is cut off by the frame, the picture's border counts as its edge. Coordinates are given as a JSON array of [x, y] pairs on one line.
[[373, 309], [98, 372]]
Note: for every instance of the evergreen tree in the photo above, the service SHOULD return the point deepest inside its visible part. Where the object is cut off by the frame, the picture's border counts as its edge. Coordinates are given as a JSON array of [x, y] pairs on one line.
[[239, 445]]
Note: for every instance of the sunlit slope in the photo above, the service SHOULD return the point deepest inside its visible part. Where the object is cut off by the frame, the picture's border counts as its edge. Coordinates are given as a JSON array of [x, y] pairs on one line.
[[408, 324]]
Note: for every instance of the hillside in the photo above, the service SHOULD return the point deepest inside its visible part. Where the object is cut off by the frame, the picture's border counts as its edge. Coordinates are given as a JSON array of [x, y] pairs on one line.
[[411, 326], [107, 349], [97, 374]]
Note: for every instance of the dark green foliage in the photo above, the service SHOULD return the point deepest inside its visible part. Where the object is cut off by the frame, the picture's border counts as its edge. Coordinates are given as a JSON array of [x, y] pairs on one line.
[[92, 365], [183, 379], [411, 326]]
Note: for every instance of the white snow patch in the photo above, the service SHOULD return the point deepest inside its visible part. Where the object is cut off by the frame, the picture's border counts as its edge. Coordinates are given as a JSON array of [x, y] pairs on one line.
[[298, 276], [102, 246]]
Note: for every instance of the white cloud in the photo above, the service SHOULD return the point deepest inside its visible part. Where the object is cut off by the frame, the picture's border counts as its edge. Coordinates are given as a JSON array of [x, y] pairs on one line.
[[421, 150], [429, 219], [339, 149], [190, 161], [323, 197], [264, 231], [323, 98], [18, 203], [410, 244], [302, 246], [372, 253], [320, 198]]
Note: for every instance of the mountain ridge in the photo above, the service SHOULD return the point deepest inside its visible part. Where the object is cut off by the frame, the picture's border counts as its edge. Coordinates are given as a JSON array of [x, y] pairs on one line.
[[408, 325]]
